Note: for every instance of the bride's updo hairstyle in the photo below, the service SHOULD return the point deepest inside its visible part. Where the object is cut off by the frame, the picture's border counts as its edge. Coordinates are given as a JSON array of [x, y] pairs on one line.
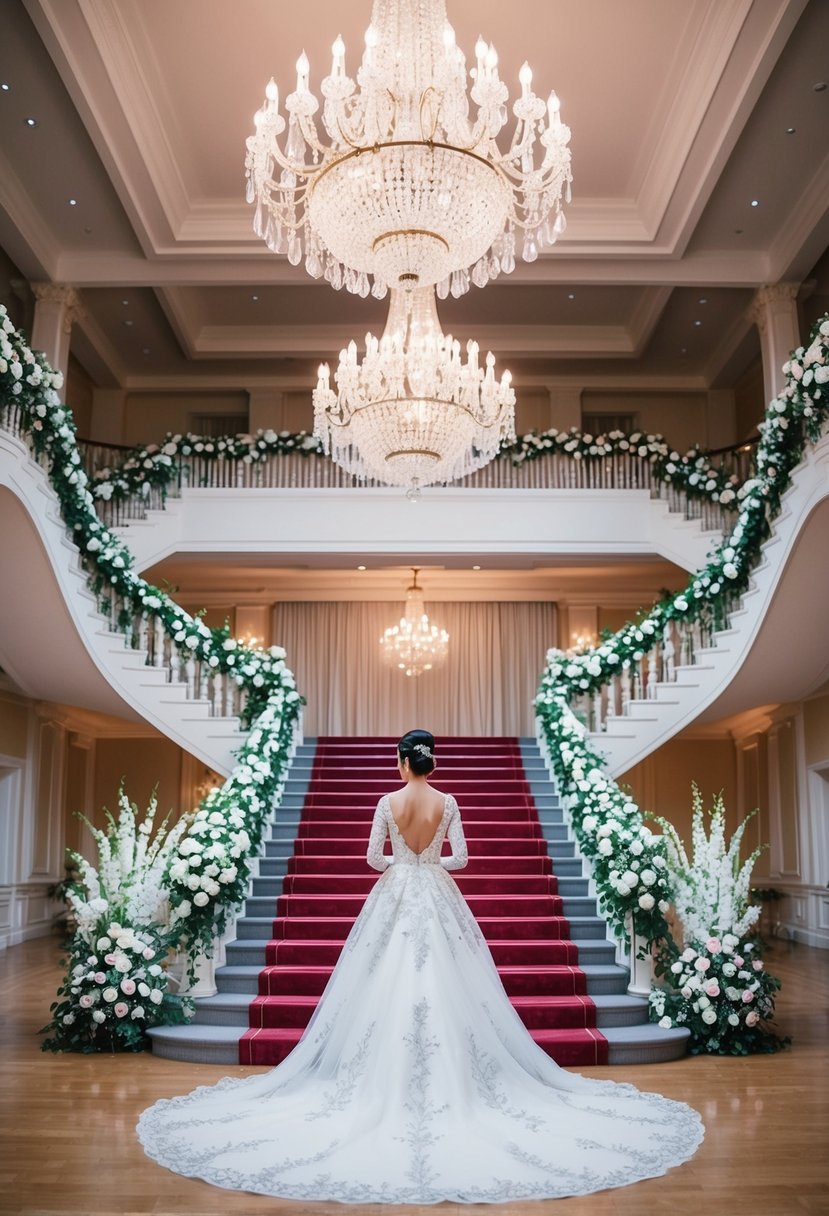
[[418, 747]]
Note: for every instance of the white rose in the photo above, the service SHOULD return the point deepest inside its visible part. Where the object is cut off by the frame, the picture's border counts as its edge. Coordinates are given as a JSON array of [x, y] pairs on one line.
[[156, 996], [110, 994], [605, 847], [138, 1012], [144, 989], [665, 1023], [98, 1016], [709, 1016], [646, 902], [103, 943], [201, 898], [648, 877]]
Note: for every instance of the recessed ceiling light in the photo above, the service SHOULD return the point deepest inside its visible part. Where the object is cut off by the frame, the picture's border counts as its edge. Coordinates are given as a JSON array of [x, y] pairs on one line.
[[572, 296], [146, 350], [73, 202], [361, 567], [790, 130], [31, 122], [703, 300], [476, 567], [698, 323], [755, 202], [5, 86], [820, 87], [125, 301], [87, 231], [684, 350], [254, 297], [126, 322]]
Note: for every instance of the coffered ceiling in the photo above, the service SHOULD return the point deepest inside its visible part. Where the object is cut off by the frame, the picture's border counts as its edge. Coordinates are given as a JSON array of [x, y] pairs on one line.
[[683, 112]]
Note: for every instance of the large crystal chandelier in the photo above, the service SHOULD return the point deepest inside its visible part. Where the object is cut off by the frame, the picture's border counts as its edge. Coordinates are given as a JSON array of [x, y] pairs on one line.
[[415, 645], [413, 411], [405, 183]]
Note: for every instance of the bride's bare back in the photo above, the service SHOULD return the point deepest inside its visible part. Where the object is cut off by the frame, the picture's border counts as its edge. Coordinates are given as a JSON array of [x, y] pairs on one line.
[[417, 811]]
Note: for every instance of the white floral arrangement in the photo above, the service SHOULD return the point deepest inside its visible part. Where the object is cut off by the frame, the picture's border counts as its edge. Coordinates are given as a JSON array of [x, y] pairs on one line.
[[29, 400], [116, 985], [717, 986], [793, 419]]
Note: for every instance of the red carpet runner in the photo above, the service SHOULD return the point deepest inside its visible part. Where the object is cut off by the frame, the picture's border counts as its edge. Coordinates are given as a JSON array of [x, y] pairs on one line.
[[509, 885]]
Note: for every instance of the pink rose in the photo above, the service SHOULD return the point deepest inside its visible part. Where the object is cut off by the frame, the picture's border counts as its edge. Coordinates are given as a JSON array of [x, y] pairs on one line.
[[702, 964], [738, 960], [128, 987], [100, 978], [748, 997], [713, 945], [711, 988], [121, 1009], [109, 959], [87, 1001], [757, 965], [752, 1017]]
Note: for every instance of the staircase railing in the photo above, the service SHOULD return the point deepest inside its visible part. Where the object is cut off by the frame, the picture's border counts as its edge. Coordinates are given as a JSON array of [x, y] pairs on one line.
[[256, 684], [582, 691]]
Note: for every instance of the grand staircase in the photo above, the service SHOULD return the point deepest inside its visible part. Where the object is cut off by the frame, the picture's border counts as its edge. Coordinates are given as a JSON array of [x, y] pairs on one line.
[[525, 884]]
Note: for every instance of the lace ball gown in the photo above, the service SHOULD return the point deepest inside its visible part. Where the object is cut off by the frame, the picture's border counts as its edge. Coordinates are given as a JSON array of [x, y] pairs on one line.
[[415, 1080]]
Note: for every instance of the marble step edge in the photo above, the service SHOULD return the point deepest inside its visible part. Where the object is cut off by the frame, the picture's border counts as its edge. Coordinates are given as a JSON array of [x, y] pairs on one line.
[[197, 1044]]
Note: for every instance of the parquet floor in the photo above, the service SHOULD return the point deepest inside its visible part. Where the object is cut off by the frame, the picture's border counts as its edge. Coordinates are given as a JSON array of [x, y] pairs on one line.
[[68, 1146]]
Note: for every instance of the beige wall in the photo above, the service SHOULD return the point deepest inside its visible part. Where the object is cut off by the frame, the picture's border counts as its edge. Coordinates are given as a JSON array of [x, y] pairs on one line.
[[14, 724], [749, 399], [149, 416], [661, 784], [78, 395], [143, 764], [816, 729], [681, 417]]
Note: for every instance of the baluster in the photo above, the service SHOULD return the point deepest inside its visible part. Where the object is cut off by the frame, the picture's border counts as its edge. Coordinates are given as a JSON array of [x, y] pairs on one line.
[[612, 686], [668, 651], [190, 676], [637, 680], [174, 664], [626, 688], [158, 638], [652, 659]]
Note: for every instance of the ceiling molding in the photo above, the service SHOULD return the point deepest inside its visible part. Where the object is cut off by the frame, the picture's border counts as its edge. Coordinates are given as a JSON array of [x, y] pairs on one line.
[[37, 251], [646, 316], [803, 237]]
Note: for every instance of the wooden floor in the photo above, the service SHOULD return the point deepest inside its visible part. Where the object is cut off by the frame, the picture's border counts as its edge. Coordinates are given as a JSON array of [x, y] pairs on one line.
[[68, 1145]]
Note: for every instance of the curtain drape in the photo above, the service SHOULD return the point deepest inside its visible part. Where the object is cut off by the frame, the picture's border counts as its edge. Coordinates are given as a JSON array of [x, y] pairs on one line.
[[486, 686]]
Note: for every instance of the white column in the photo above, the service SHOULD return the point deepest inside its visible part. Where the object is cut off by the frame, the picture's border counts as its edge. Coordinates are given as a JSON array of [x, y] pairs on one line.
[[774, 311], [56, 306]]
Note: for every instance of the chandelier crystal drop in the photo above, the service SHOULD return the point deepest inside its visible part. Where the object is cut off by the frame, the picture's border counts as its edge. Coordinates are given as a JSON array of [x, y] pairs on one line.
[[401, 181], [414, 645], [413, 411]]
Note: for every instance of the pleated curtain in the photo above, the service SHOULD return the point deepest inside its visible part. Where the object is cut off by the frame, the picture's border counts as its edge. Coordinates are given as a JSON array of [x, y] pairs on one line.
[[485, 687]]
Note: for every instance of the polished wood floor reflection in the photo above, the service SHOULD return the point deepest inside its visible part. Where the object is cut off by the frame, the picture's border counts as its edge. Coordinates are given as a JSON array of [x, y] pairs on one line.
[[68, 1145]]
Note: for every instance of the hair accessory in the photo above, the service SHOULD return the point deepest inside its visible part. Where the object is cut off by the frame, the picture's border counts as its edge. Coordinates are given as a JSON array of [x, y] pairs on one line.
[[423, 749]]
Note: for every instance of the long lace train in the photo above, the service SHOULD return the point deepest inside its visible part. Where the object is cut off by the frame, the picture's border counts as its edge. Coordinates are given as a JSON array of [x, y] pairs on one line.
[[416, 1081]]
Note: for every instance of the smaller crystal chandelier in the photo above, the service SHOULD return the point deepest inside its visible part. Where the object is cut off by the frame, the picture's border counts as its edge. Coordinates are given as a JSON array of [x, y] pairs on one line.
[[413, 411], [415, 645]]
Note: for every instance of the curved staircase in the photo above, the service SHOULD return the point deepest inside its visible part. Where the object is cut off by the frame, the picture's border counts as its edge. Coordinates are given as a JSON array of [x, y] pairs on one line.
[[83, 656], [525, 883], [713, 673]]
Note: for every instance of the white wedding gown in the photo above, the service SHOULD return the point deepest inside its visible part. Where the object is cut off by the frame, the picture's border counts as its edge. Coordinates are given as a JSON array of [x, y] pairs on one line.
[[415, 1080]]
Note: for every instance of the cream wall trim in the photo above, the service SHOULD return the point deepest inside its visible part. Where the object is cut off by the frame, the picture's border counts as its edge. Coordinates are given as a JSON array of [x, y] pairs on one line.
[[803, 238], [26, 216]]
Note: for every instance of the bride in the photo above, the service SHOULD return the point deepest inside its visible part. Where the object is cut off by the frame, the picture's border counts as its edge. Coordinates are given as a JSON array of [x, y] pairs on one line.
[[415, 1080]]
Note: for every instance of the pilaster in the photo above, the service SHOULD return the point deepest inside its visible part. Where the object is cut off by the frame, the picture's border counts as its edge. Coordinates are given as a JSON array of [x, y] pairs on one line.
[[774, 311]]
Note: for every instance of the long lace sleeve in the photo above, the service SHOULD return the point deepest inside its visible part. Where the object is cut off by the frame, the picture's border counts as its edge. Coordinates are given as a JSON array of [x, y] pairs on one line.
[[375, 856], [457, 841]]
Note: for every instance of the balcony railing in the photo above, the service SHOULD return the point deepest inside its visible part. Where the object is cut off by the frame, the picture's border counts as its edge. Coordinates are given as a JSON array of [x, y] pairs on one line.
[[553, 470]]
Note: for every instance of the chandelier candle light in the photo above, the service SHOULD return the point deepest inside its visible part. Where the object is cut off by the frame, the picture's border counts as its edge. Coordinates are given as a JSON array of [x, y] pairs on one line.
[[415, 645], [413, 411], [407, 186]]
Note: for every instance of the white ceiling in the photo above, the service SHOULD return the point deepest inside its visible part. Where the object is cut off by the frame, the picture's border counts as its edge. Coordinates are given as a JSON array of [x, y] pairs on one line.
[[679, 111]]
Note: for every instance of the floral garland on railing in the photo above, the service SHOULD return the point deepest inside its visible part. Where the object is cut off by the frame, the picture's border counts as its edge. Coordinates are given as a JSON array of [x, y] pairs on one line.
[[231, 821], [598, 809], [156, 466]]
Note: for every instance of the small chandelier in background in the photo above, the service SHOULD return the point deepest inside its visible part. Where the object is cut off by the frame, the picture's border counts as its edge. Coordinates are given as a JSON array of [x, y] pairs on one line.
[[406, 184], [413, 411], [415, 645]]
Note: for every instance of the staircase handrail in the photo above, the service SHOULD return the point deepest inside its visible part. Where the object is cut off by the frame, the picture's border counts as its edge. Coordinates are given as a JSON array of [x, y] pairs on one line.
[[126, 481], [629, 863], [209, 874]]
